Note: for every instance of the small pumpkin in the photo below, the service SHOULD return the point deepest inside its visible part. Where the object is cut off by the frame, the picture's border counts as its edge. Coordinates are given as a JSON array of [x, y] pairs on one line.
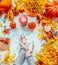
[[12, 25], [5, 5], [52, 8], [32, 25]]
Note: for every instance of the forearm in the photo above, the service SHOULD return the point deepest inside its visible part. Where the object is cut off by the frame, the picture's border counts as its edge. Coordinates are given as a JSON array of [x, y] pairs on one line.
[[21, 57], [30, 60]]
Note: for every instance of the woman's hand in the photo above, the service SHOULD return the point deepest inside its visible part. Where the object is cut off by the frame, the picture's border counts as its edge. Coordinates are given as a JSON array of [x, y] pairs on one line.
[[25, 45], [29, 51], [22, 43]]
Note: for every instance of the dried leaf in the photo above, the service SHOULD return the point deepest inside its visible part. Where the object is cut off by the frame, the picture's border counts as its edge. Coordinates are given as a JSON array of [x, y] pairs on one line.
[[40, 30], [5, 31], [47, 55], [0, 24], [56, 37], [40, 36], [56, 42], [46, 20], [8, 59]]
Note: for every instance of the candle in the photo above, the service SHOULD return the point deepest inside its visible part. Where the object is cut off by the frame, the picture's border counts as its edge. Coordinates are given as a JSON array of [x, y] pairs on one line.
[[23, 20]]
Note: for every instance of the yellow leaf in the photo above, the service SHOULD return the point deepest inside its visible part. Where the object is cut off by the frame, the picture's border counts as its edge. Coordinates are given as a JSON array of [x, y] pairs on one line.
[[40, 36], [50, 40], [40, 30], [46, 21], [56, 42], [12, 57], [3, 32], [56, 37], [0, 24], [8, 58], [53, 24], [5, 60]]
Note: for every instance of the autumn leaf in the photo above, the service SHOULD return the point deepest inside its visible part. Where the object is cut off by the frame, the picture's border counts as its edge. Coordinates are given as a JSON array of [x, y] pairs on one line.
[[0, 24], [40, 36], [50, 40], [8, 58], [46, 21], [56, 42], [55, 37], [41, 30]]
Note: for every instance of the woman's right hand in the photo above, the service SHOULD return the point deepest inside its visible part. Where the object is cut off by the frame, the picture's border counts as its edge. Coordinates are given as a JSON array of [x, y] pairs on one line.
[[29, 51], [22, 43]]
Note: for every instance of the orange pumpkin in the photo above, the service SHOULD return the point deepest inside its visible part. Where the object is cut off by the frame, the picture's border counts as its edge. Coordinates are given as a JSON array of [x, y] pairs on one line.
[[5, 5], [12, 25], [52, 8], [32, 25]]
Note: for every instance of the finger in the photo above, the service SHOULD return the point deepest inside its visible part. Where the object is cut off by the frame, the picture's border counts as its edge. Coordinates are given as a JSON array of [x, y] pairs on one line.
[[27, 45], [31, 50], [21, 43], [24, 37], [20, 39], [32, 45]]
